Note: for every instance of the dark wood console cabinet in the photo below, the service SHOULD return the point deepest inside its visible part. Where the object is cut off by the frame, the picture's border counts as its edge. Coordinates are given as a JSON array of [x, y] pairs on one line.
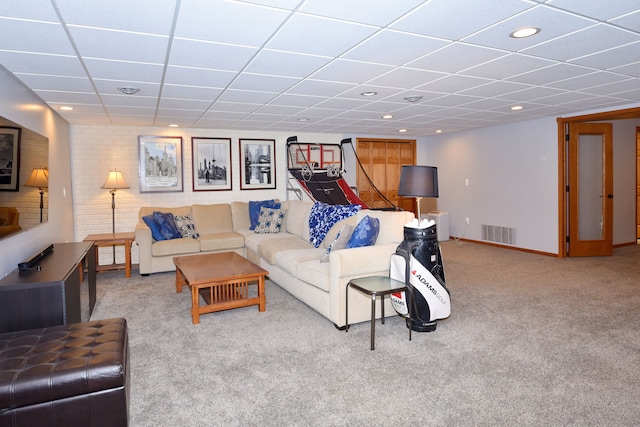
[[55, 294]]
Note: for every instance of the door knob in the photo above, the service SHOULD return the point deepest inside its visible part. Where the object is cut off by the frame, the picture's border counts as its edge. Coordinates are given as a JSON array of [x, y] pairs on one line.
[[609, 196]]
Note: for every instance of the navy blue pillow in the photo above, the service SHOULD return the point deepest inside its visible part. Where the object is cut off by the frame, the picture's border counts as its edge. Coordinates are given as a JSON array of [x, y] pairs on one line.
[[365, 233], [254, 210], [168, 227], [153, 225]]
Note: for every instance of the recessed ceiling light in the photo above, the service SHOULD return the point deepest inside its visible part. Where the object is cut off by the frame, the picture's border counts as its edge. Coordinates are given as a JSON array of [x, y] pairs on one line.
[[387, 116], [517, 108], [369, 93], [524, 32], [414, 98], [65, 108], [173, 125], [302, 119], [128, 90], [402, 130], [439, 131]]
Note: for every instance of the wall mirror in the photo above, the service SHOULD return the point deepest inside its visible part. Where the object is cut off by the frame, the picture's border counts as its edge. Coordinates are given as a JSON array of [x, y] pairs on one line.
[[24, 168]]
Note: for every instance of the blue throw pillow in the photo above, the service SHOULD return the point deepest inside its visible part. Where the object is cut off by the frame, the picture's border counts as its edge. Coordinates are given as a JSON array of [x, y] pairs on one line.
[[254, 210], [153, 225], [365, 233], [167, 225], [323, 216]]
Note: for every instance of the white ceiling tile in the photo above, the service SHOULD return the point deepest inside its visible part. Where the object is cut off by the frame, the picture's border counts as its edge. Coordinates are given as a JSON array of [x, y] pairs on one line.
[[57, 83], [215, 56], [297, 100], [406, 78], [531, 93], [342, 70], [246, 96], [37, 37], [207, 78], [453, 83], [168, 112], [129, 100], [589, 80], [615, 89], [379, 13], [146, 16], [508, 66], [228, 22], [319, 88], [494, 88], [572, 46], [124, 71], [318, 36], [286, 64], [601, 10], [630, 21], [61, 97], [456, 57], [187, 104], [610, 58], [383, 48], [39, 10], [631, 70], [553, 23], [107, 44], [36, 63], [550, 74], [246, 81], [110, 88], [281, 110], [190, 92], [446, 19]]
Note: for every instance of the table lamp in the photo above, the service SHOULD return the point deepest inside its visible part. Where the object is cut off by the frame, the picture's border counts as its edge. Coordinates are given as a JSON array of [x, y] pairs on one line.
[[418, 182]]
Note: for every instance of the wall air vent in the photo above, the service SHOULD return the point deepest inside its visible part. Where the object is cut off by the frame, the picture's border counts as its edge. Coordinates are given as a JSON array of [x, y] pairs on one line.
[[494, 233]]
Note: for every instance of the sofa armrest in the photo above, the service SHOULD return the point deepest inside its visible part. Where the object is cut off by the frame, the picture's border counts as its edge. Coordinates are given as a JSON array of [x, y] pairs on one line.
[[144, 240], [347, 264]]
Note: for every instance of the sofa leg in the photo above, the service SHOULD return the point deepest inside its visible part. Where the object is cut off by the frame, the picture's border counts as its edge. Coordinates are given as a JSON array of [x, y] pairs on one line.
[[144, 275], [340, 328]]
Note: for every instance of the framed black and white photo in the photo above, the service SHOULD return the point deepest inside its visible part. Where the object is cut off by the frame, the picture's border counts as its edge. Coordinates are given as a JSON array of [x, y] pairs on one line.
[[160, 166], [211, 163], [9, 158], [257, 164]]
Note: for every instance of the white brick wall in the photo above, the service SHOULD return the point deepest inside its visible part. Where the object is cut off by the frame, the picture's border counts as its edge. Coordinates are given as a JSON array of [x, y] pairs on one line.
[[95, 150]]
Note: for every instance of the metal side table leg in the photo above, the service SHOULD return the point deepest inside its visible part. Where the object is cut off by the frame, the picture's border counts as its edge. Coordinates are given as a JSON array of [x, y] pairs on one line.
[[373, 321]]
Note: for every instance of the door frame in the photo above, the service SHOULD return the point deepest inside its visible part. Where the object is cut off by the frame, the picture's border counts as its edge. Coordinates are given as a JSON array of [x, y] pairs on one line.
[[563, 180]]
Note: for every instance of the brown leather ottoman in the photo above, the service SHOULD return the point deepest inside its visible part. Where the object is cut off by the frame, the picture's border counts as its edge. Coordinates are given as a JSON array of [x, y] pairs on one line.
[[67, 375]]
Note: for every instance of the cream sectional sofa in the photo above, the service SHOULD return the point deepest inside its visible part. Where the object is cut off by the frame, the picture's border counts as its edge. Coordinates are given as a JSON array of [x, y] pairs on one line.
[[292, 261]]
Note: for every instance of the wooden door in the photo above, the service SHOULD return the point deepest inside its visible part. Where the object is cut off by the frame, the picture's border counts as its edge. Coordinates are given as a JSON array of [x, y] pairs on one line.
[[638, 183], [382, 161], [590, 189]]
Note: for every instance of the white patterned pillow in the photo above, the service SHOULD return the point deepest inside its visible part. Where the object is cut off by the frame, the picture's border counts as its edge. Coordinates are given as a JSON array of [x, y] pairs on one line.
[[340, 242], [186, 226], [270, 220]]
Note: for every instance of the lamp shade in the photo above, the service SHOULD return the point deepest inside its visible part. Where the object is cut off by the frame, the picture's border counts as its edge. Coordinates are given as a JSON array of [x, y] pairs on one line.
[[39, 178], [115, 181], [418, 181]]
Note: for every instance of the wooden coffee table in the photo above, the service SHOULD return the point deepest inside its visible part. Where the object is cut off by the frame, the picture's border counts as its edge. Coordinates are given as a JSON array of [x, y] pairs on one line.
[[222, 279]]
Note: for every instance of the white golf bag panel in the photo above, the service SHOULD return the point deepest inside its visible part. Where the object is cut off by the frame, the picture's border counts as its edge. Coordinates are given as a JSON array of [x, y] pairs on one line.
[[418, 263]]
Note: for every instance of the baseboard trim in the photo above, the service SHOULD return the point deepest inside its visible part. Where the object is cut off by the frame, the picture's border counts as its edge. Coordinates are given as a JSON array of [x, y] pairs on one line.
[[515, 248]]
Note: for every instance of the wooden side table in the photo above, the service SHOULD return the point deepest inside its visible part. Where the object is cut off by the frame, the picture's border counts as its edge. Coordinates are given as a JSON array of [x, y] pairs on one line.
[[113, 239], [373, 286]]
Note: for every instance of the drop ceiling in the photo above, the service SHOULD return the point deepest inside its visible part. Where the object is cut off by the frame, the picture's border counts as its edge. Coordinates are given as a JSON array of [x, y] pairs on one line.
[[303, 65]]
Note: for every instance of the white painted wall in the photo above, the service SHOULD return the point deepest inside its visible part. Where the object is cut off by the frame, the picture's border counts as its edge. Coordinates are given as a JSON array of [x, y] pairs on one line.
[[513, 180], [98, 149], [21, 106], [512, 173]]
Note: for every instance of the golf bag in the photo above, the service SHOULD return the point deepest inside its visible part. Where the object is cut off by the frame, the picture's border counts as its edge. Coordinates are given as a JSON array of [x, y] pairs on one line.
[[418, 263]]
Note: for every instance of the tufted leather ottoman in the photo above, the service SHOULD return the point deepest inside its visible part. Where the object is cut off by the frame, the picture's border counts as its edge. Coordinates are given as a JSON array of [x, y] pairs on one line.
[[67, 375]]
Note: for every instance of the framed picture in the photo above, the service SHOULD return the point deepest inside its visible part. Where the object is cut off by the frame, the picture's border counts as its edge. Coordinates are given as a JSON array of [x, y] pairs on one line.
[[257, 164], [9, 158], [160, 166], [211, 163]]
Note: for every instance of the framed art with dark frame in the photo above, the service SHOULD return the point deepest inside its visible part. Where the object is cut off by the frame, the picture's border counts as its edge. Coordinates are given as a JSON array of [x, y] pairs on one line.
[[9, 158], [211, 163], [257, 164], [160, 164]]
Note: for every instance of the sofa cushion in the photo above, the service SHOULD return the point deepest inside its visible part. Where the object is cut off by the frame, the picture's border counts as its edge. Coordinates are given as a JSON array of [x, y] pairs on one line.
[[365, 233], [167, 225], [391, 224], [179, 246], [337, 227], [254, 210], [240, 215], [340, 242], [153, 226], [186, 226], [215, 218], [270, 220], [253, 239], [289, 259], [323, 216], [297, 221], [219, 241], [268, 248], [315, 273]]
